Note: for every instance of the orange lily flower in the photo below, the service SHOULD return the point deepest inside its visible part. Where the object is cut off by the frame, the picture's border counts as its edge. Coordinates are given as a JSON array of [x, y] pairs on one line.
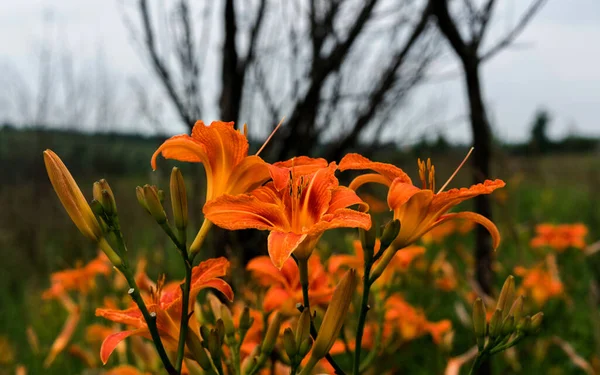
[[412, 322], [540, 283], [399, 263], [295, 208], [81, 279], [284, 286], [165, 302], [420, 209], [560, 237]]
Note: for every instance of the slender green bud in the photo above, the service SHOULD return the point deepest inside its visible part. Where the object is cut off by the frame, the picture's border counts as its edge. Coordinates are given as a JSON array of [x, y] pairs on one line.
[[97, 207], [179, 199], [271, 336], [220, 328], [204, 333], [161, 195], [390, 232], [193, 343], [508, 327], [154, 205], [139, 194], [245, 319], [479, 322], [368, 239], [227, 320], [525, 324], [303, 327], [335, 314], [536, 322], [305, 347], [517, 309], [289, 343], [496, 324], [108, 203], [507, 295], [214, 345]]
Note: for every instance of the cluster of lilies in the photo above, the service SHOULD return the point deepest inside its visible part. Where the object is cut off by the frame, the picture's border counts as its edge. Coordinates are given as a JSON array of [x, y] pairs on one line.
[[299, 321]]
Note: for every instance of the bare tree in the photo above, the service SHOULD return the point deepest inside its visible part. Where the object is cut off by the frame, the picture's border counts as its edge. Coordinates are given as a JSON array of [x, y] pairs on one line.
[[330, 67], [465, 24]]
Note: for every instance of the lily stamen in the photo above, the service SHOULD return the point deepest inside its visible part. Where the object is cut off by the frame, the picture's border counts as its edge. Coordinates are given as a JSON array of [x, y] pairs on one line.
[[269, 137], [457, 169]]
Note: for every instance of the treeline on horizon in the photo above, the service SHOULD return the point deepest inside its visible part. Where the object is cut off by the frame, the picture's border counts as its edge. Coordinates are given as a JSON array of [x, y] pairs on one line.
[[117, 154]]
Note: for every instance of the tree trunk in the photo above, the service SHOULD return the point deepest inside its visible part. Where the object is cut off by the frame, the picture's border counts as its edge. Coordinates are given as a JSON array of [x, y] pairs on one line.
[[481, 169]]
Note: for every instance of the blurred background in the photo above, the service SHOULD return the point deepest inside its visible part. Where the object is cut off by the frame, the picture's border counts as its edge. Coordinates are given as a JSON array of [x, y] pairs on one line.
[[103, 83]]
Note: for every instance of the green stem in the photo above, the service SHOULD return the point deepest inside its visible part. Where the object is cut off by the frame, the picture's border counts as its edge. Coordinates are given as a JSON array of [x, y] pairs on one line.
[[477, 363], [135, 294], [364, 307], [183, 327], [303, 269], [150, 319]]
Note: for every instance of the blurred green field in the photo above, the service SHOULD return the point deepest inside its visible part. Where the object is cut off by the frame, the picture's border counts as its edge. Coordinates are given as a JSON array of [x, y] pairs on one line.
[[37, 238]]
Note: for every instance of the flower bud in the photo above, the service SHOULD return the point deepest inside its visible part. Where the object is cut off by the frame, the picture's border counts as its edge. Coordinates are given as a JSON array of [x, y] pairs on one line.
[[97, 207], [368, 239], [103, 193], [245, 319], [204, 333], [335, 314], [507, 294], [496, 324], [525, 325], [220, 328], [139, 194], [305, 347], [227, 321], [508, 327], [536, 322], [154, 206], [193, 343], [289, 343], [517, 309], [214, 345], [179, 199], [303, 327], [268, 343], [479, 322], [390, 232], [71, 197]]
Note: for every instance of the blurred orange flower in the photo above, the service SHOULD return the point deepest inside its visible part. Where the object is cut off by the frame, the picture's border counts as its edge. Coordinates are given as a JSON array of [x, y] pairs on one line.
[[560, 237], [125, 370], [443, 272], [284, 286], [412, 322], [81, 279], [539, 283], [420, 209], [399, 263], [438, 234], [296, 209], [165, 302]]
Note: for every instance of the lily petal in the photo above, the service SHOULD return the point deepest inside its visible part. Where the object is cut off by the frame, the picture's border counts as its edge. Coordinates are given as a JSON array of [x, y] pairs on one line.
[[131, 317], [342, 218], [389, 171], [111, 342], [249, 174], [477, 218], [343, 197], [182, 148], [282, 245], [243, 212], [264, 271], [224, 145], [445, 200]]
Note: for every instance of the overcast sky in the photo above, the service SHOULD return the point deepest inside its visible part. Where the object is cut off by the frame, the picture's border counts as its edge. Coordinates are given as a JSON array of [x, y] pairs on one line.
[[555, 63]]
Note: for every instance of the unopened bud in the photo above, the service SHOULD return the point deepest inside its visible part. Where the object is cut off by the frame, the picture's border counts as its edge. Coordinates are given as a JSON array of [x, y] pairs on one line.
[[204, 333], [479, 322], [289, 343], [220, 328], [193, 343], [214, 345], [154, 205], [303, 327], [517, 309], [305, 347], [245, 319], [227, 321], [97, 207], [368, 239], [496, 324], [103, 194], [335, 314], [525, 325], [271, 336], [536, 322], [179, 199], [507, 294], [508, 327], [139, 194], [390, 232]]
